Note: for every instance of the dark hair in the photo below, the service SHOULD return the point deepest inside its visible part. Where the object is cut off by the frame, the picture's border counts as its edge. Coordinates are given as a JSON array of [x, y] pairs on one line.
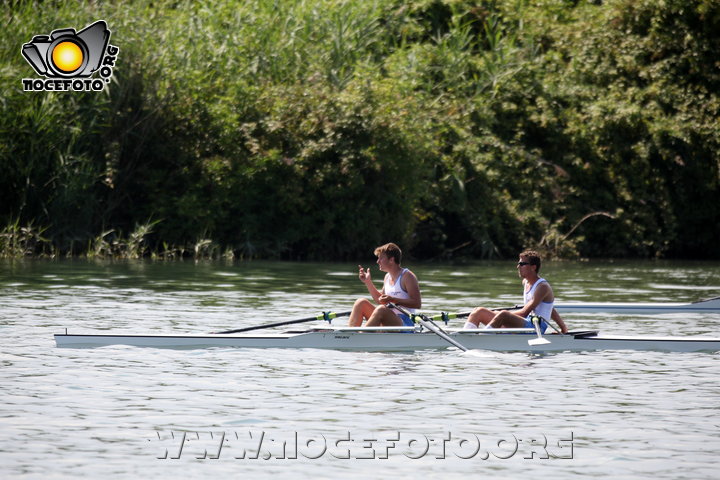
[[533, 258], [391, 251]]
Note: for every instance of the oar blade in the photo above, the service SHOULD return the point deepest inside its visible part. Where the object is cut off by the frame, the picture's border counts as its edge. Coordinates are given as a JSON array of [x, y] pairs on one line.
[[539, 340]]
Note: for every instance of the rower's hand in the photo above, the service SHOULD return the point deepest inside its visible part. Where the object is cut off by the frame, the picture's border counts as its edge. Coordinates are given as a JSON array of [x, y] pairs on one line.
[[364, 275], [385, 299]]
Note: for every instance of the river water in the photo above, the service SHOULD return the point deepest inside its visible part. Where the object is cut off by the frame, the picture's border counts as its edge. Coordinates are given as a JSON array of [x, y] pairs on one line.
[[125, 412]]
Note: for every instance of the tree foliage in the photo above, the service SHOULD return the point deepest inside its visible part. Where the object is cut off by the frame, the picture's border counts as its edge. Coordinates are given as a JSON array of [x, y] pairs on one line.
[[319, 129]]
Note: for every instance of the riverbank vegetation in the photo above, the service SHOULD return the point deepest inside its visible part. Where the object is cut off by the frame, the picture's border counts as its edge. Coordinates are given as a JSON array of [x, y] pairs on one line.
[[318, 129]]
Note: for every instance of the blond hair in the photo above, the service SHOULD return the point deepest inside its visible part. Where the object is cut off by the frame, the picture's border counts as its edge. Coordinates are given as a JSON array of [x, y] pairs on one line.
[[391, 251]]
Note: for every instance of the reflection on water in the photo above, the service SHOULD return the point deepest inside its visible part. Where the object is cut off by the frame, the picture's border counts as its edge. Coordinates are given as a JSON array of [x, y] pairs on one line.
[[74, 413]]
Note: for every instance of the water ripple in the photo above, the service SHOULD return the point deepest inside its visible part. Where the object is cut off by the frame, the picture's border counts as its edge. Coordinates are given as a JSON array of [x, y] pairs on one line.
[[113, 411]]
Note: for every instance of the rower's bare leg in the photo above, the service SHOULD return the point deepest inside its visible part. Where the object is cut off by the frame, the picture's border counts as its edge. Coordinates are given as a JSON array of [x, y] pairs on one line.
[[505, 319], [481, 315], [361, 310], [385, 317]]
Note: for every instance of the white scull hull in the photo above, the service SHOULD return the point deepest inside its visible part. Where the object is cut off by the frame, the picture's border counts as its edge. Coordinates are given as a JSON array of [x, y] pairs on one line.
[[373, 340], [705, 306]]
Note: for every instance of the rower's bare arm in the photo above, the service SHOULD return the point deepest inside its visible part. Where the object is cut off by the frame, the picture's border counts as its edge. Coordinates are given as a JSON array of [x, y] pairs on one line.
[[375, 293], [411, 285], [557, 319], [542, 292], [364, 275], [366, 278]]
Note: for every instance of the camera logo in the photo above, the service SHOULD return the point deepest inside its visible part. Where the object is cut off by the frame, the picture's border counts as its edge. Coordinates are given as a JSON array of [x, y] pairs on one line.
[[68, 59]]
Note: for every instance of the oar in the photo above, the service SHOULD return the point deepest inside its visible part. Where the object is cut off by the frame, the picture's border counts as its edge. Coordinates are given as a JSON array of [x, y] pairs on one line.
[[451, 316], [325, 316], [427, 322], [539, 340]]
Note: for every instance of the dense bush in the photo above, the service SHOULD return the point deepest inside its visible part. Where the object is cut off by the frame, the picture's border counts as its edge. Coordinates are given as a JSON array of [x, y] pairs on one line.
[[319, 129]]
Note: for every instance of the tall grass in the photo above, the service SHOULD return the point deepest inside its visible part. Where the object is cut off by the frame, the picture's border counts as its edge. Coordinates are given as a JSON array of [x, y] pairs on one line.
[[319, 128], [17, 241]]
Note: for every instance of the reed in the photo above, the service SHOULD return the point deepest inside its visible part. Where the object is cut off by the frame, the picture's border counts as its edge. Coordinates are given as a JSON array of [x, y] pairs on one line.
[[17, 241]]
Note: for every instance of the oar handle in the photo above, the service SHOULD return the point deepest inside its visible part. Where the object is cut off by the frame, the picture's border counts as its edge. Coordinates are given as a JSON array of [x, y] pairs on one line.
[[451, 316]]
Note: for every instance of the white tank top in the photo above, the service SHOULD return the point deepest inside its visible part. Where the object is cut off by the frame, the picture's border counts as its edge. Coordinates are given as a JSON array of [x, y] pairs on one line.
[[544, 309], [396, 289]]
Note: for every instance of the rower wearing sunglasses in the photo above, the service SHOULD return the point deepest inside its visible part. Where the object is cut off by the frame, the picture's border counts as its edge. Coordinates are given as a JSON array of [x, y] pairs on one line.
[[538, 296]]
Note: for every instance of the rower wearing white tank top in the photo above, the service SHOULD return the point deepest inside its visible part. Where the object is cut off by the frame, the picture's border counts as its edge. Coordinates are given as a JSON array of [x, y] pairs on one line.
[[538, 300], [400, 286]]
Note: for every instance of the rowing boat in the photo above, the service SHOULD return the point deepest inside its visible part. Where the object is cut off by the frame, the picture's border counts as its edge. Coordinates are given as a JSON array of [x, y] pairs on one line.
[[417, 338], [399, 339], [705, 306]]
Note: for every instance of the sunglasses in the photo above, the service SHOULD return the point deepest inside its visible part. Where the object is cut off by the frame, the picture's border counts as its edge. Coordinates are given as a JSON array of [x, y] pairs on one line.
[[522, 264]]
